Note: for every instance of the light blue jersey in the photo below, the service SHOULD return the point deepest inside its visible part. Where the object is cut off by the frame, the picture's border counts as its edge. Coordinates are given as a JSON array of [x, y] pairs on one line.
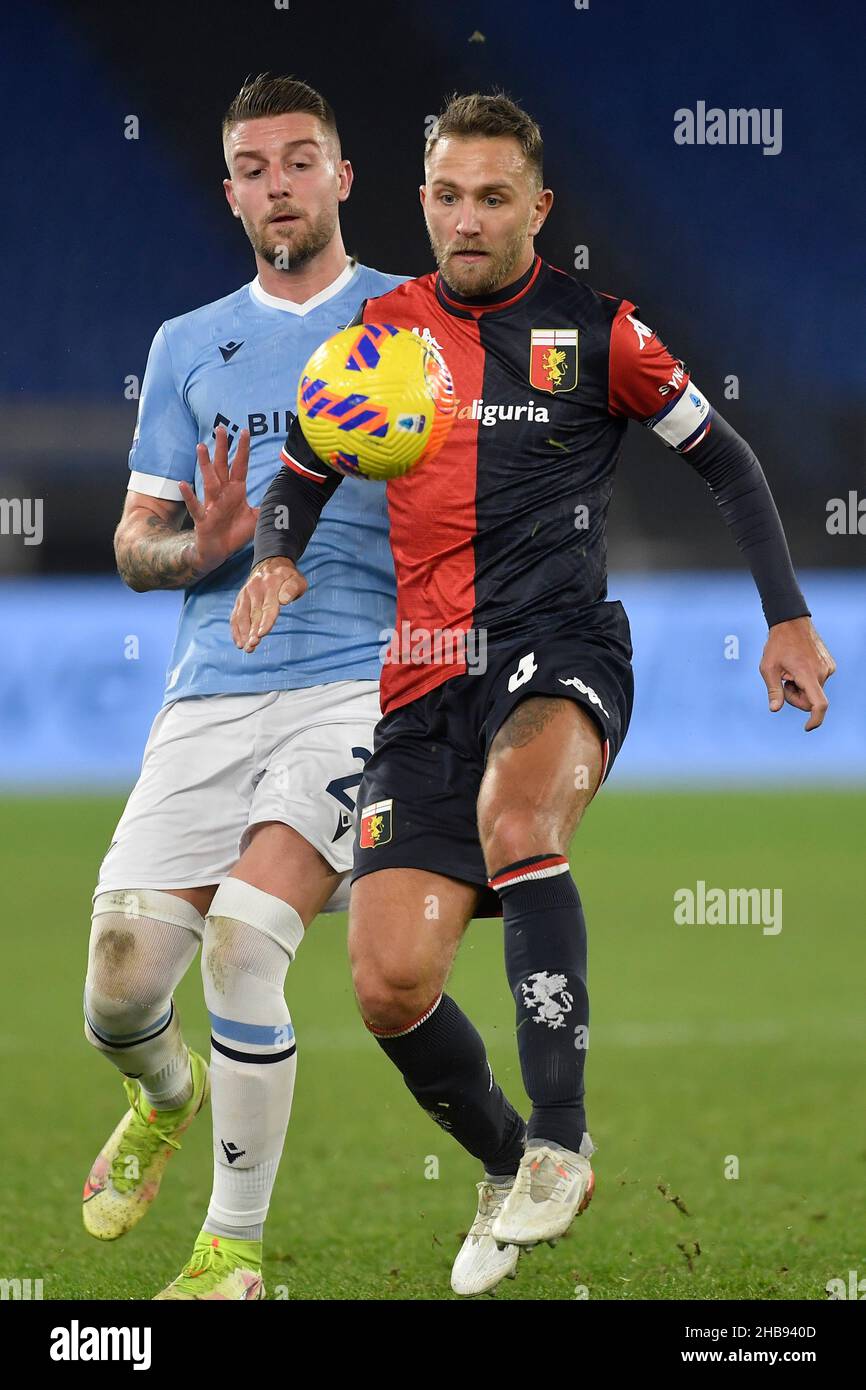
[[237, 362]]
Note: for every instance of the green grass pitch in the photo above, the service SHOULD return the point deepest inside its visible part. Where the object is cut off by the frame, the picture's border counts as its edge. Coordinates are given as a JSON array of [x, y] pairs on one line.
[[707, 1042]]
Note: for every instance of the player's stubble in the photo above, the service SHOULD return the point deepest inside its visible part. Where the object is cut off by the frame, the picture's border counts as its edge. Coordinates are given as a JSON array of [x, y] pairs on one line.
[[270, 242], [497, 270]]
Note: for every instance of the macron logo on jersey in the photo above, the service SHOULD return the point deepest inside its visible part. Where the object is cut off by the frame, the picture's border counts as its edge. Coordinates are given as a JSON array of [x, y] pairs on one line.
[[230, 349]]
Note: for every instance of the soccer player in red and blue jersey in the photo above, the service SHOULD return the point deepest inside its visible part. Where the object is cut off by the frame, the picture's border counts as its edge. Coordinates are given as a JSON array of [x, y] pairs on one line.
[[482, 769]]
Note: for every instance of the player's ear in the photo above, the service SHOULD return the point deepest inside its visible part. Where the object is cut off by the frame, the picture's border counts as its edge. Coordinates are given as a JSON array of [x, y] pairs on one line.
[[347, 178], [230, 197], [543, 204], [422, 192]]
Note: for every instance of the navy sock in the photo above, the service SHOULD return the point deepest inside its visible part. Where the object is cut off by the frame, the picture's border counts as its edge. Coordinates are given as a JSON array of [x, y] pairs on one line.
[[443, 1062], [545, 960]]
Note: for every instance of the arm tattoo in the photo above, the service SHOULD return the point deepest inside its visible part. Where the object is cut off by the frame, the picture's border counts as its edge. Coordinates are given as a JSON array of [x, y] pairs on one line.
[[159, 558], [528, 720]]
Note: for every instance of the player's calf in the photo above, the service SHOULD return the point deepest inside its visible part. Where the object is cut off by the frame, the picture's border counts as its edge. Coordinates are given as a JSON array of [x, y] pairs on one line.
[[400, 962], [141, 945], [250, 940], [528, 808]]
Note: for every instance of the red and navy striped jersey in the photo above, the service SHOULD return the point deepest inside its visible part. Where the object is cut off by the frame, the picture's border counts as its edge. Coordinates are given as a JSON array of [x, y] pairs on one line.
[[503, 530]]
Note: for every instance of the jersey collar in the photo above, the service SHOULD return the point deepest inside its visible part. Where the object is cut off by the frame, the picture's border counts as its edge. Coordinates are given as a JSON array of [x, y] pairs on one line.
[[466, 307], [288, 306]]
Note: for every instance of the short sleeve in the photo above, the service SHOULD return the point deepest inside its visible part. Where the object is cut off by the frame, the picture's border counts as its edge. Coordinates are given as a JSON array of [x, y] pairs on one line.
[[166, 432], [647, 383]]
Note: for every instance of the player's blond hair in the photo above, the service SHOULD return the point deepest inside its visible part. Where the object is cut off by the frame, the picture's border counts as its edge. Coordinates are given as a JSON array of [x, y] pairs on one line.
[[490, 114], [267, 95]]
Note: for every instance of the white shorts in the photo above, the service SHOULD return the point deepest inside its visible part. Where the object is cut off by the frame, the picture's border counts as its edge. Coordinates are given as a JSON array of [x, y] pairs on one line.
[[216, 765]]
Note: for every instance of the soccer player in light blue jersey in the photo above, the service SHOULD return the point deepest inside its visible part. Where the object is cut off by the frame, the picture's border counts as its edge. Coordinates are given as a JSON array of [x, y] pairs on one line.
[[240, 827]]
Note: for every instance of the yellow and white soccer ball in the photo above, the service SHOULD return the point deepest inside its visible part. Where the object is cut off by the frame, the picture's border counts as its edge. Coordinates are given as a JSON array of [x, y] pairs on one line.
[[374, 401]]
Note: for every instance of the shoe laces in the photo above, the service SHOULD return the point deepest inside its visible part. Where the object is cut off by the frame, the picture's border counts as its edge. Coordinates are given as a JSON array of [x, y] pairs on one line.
[[490, 1199], [205, 1258], [214, 1258], [545, 1175], [141, 1140]]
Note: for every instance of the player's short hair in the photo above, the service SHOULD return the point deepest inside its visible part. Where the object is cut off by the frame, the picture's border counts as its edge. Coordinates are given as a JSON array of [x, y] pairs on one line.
[[490, 114], [267, 95]]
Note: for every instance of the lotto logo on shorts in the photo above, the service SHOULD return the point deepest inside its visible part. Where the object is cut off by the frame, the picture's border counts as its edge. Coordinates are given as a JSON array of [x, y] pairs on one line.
[[376, 824]]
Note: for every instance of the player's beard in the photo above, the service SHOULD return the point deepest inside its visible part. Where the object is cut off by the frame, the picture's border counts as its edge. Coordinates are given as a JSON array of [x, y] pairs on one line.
[[303, 247], [483, 277]]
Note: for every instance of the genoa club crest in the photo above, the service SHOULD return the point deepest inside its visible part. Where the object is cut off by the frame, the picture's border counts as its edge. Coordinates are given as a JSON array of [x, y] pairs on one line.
[[553, 359], [375, 824]]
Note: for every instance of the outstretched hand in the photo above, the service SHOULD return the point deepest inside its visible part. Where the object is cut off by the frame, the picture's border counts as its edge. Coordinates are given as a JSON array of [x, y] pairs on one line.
[[224, 520]]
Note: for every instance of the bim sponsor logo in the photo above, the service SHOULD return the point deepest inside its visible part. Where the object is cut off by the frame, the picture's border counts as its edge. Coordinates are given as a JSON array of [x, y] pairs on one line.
[[77, 1343], [258, 422], [422, 646]]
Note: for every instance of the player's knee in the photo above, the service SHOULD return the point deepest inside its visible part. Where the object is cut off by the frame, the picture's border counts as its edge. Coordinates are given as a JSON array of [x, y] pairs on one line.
[[112, 955], [223, 948], [123, 971], [391, 996], [248, 931], [237, 958], [509, 833], [141, 944]]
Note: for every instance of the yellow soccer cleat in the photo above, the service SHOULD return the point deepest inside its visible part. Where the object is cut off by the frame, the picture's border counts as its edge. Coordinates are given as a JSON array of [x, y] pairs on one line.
[[219, 1269], [126, 1176]]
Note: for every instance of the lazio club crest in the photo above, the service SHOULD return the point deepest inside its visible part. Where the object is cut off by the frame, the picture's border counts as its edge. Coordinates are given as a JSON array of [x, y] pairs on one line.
[[553, 359]]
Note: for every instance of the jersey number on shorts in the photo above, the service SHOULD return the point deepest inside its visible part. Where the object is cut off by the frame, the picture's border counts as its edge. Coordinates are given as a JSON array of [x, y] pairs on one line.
[[339, 788]]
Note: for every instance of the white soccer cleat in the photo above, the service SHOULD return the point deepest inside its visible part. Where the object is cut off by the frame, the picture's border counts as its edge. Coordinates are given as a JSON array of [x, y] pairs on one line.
[[552, 1187], [480, 1264]]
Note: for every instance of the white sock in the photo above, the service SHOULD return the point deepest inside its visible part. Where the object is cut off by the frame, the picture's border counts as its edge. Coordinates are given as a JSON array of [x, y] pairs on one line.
[[142, 943], [171, 1086], [250, 940]]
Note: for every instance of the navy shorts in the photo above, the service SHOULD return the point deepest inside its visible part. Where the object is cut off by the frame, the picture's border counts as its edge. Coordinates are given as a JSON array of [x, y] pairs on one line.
[[417, 799]]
